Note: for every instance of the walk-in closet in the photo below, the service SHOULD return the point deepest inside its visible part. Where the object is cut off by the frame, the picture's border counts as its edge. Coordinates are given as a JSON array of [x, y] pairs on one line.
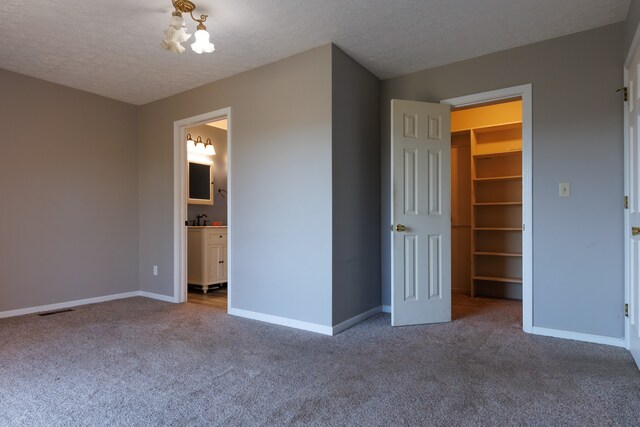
[[486, 200]]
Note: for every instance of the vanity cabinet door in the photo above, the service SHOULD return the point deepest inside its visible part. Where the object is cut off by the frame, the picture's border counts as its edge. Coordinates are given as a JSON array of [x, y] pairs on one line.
[[217, 263], [217, 241]]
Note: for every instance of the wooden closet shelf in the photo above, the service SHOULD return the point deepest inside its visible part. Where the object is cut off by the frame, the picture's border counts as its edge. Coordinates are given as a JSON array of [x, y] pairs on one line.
[[497, 204], [497, 229], [498, 128], [497, 154], [498, 279], [505, 254], [499, 178]]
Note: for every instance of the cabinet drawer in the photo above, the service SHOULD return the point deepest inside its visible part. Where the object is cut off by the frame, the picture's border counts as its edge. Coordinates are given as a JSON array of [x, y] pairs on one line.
[[217, 237]]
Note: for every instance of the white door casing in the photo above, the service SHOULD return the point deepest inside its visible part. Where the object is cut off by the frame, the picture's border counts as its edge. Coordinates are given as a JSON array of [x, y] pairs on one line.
[[180, 201], [525, 93], [421, 202], [632, 214]]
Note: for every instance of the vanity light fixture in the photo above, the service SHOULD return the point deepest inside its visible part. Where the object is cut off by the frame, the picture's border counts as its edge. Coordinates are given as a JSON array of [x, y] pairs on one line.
[[198, 146], [177, 31]]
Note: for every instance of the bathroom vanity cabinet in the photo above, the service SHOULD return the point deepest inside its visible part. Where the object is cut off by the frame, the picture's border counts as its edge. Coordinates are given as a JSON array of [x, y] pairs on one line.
[[206, 256]]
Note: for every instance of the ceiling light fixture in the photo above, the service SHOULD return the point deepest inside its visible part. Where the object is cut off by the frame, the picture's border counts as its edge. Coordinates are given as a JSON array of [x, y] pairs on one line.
[[177, 31]]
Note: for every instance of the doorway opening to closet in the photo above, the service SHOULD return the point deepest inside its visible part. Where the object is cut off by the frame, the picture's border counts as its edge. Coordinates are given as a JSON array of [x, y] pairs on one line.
[[486, 205]]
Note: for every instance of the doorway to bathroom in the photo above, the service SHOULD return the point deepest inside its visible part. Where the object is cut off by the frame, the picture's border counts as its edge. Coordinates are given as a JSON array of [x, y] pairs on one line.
[[202, 204]]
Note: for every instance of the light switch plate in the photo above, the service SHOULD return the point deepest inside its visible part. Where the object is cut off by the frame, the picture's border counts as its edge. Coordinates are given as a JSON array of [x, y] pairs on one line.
[[565, 189]]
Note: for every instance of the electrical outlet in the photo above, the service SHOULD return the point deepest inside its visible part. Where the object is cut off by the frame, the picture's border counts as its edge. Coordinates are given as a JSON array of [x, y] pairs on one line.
[[565, 189], [155, 270]]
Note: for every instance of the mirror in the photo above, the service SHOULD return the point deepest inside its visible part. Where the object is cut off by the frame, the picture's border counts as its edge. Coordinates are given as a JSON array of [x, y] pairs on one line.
[[200, 184]]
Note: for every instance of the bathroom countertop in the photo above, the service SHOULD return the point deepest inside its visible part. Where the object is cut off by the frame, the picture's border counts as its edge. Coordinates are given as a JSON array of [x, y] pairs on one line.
[[206, 226]]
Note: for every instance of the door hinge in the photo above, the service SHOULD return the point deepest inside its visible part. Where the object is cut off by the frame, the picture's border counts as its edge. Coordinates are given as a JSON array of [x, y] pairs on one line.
[[625, 92], [626, 202], [626, 310]]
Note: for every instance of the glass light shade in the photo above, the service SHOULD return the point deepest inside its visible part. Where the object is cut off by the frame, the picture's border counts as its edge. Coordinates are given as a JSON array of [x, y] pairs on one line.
[[175, 34], [202, 43], [210, 150], [172, 46], [200, 146], [191, 145], [177, 21]]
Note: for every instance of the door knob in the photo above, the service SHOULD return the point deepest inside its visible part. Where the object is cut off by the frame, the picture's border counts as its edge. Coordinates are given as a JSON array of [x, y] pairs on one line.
[[635, 231], [401, 227]]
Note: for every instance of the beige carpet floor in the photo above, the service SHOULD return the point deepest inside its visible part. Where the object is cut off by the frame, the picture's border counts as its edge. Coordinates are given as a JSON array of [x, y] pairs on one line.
[[140, 362]]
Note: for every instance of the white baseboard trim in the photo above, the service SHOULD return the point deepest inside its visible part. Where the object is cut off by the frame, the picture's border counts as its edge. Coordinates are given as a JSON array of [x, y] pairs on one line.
[[283, 321], [68, 304], [579, 336], [635, 351], [343, 326], [157, 296], [386, 309]]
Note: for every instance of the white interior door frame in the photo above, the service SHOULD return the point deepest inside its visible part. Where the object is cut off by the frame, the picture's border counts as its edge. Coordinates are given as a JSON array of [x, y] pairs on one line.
[[524, 92], [627, 265], [627, 189], [180, 199]]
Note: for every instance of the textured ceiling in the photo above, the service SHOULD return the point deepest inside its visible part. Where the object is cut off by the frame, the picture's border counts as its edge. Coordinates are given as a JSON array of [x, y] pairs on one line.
[[112, 48]]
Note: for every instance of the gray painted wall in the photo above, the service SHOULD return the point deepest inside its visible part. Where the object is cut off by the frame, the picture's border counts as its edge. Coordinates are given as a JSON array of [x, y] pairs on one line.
[[356, 183], [631, 24], [68, 183], [280, 172], [578, 138], [217, 211]]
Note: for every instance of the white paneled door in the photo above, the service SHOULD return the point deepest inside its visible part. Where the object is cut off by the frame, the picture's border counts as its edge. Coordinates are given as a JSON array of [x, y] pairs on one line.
[[632, 232], [421, 213]]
